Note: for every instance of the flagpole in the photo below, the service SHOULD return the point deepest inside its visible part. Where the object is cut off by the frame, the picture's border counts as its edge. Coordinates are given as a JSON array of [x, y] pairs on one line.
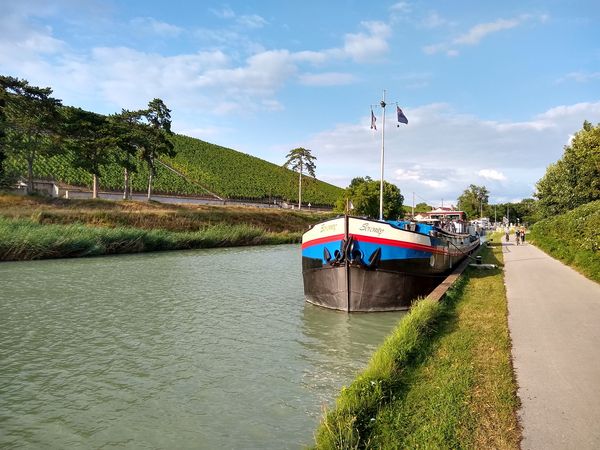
[[382, 157]]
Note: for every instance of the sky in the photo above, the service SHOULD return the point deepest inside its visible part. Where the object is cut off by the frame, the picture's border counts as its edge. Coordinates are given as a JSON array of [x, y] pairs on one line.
[[493, 91]]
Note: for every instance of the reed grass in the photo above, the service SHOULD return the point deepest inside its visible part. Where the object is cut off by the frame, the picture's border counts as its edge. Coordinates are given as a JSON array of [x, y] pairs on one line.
[[25, 239], [442, 379]]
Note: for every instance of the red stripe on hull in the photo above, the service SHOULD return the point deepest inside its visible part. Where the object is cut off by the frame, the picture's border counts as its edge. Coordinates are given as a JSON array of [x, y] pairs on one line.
[[394, 243], [389, 242], [323, 240]]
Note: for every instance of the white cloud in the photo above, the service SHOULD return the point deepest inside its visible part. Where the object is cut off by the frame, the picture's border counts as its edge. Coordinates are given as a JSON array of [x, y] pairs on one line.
[[327, 79], [368, 46], [440, 152], [491, 174], [478, 32], [434, 20], [218, 81], [151, 25], [252, 21], [247, 21], [403, 7], [580, 77], [224, 13]]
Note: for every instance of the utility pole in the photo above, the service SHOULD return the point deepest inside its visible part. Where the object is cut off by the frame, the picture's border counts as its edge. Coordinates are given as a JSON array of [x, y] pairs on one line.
[[383, 104]]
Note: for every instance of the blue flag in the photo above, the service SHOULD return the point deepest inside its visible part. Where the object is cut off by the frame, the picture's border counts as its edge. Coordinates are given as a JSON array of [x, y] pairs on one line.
[[401, 117]]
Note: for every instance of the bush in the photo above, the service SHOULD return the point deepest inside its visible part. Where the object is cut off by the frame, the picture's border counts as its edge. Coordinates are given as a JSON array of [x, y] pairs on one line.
[[573, 237]]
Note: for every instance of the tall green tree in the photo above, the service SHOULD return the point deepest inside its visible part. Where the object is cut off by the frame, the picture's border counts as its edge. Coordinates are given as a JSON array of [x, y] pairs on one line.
[[473, 200], [130, 137], [300, 160], [92, 140], [364, 195], [157, 142], [31, 122], [575, 178]]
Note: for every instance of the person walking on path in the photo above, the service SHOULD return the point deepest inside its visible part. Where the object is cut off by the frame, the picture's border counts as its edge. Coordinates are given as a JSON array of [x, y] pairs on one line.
[[554, 317]]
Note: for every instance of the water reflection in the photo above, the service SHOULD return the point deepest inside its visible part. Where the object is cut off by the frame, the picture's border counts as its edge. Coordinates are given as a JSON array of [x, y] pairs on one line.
[[338, 345], [198, 349]]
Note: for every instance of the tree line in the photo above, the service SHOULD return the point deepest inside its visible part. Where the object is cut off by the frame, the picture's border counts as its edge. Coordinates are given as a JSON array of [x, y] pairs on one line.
[[572, 181], [33, 123]]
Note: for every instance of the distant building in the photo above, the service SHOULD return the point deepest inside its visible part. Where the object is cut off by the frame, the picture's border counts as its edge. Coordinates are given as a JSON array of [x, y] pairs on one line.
[[446, 218], [446, 214]]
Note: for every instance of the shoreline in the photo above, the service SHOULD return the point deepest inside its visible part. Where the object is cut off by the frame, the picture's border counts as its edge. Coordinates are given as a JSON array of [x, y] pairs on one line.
[[35, 228]]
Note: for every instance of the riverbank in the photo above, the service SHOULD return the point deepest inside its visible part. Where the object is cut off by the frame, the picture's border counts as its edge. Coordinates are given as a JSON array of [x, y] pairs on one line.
[[443, 379], [40, 227]]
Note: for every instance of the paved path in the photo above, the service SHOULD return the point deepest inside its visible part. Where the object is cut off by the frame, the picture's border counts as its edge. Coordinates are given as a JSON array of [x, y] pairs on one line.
[[554, 321]]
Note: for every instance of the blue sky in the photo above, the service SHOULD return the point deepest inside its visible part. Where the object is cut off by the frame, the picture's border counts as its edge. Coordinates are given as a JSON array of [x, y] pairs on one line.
[[492, 90]]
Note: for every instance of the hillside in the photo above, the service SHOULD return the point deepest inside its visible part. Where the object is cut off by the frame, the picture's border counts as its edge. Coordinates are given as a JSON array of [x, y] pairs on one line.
[[223, 171]]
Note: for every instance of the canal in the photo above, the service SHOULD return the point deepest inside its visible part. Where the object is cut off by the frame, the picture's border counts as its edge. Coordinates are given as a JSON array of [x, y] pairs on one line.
[[195, 349]]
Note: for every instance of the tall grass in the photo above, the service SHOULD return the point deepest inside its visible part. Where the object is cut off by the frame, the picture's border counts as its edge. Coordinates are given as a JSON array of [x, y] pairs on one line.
[[24, 239], [573, 237], [443, 379]]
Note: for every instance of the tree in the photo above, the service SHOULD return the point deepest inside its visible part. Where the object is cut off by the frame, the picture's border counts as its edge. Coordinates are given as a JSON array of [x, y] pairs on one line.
[[575, 178], [129, 134], [364, 195], [92, 139], [299, 160], [473, 200], [157, 141], [30, 121]]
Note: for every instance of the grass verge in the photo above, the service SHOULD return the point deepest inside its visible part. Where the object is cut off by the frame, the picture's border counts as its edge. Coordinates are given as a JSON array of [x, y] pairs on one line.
[[24, 239], [442, 379], [573, 238], [35, 227]]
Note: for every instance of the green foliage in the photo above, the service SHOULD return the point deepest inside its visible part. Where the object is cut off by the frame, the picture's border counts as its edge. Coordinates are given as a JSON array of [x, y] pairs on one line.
[[31, 141], [24, 239], [301, 160], [573, 237], [224, 171], [364, 195], [473, 200], [232, 174], [526, 211], [442, 379], [422, 207], [350, 423], [30, 121], [90, 139], [574, 179]]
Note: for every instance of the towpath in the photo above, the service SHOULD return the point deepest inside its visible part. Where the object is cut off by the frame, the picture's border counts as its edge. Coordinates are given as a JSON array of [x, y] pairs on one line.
[[554, 322]]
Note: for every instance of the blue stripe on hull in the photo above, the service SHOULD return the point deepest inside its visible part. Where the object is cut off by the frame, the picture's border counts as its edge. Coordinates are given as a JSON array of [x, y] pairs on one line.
[[367, 249]]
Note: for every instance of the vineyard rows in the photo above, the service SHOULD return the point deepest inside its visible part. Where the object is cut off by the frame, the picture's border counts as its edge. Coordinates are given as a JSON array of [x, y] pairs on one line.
[[224, 171]]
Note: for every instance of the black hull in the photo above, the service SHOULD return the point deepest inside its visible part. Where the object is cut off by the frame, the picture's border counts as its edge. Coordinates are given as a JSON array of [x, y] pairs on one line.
[[356, 289]]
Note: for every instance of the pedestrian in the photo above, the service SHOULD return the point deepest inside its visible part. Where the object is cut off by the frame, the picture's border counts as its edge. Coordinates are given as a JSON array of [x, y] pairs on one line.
[[506, 232], [523, 234], [517, 235]]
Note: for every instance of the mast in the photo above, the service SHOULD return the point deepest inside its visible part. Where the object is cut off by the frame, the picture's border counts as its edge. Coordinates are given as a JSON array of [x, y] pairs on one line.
[[382, 157]]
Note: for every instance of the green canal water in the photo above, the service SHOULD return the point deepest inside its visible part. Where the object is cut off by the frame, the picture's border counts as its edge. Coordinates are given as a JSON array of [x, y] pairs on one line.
[[197, 349]]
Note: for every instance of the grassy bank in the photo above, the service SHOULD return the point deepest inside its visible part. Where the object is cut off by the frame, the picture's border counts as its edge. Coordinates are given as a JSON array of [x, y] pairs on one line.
[[38, 227], [574, 238], [443, 379], [23, 239]]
